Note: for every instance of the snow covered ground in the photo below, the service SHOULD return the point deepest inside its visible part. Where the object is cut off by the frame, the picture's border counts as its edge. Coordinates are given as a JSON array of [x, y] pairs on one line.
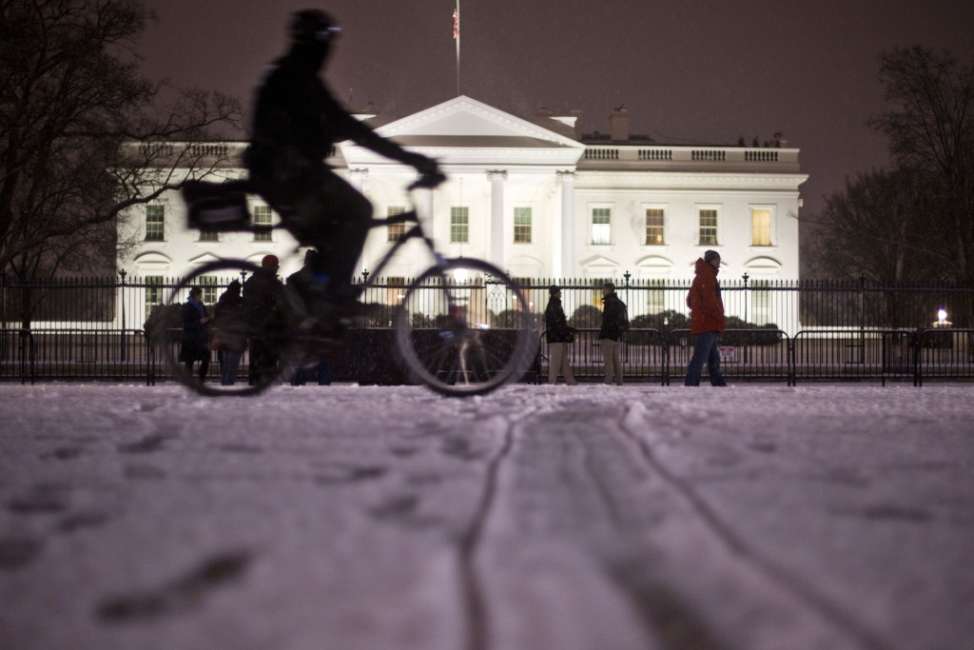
[[749, 518]]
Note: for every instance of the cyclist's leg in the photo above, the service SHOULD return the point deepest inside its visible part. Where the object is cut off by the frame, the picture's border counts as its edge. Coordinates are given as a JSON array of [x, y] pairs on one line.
[[335, 218]]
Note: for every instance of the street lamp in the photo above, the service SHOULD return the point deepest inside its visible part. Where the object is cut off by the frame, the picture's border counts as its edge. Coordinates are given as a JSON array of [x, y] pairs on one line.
[[942, 319]]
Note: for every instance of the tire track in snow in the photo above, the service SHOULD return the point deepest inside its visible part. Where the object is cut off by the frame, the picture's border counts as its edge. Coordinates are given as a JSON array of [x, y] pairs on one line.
[[477, 631], [635, 421]]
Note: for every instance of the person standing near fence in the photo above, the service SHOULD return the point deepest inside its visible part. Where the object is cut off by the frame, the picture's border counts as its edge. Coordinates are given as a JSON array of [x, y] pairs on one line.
[[615, 322], [706, 320], [229, 332], [194, 345], [262, 307], [559, 336]]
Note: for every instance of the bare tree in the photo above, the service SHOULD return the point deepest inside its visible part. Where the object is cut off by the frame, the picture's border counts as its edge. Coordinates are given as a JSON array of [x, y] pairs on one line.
[[930, 125], [877, 228], [82, 137]]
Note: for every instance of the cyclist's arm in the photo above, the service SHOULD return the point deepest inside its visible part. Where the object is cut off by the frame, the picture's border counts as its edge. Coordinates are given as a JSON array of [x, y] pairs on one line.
[[360, 133]]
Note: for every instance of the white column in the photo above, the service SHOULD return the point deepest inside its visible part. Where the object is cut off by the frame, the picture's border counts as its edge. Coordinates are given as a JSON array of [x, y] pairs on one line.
[[497, 178], [567, 223]]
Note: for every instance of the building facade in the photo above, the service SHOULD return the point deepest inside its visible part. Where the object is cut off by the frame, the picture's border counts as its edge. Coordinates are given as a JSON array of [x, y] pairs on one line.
[[535, 198]]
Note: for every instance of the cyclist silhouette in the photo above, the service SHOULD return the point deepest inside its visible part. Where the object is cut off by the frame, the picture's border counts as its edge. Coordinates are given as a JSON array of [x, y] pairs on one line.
[[296, 122]]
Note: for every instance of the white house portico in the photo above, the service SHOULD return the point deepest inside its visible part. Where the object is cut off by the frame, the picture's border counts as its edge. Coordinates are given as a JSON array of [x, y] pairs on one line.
[[539, 200]]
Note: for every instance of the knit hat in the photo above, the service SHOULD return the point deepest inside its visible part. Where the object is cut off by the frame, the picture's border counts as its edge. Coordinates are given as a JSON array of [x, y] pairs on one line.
[[710, 255]]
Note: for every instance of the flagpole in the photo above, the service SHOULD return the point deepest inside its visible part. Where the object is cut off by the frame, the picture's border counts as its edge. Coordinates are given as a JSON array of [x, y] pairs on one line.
[[456, 37]]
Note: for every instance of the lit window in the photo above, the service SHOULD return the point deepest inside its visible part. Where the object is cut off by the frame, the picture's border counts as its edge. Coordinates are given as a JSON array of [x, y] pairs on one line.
[[210, 288], [522, 225], [760, 227], [153, 293], [396, 230], [708, 227], [655, 299], [459, 225], [262, 219], [155, 222], [601, 226], [654, 227]]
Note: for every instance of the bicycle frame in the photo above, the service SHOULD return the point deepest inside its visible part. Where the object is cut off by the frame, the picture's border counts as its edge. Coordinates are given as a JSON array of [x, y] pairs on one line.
[[416, 232]]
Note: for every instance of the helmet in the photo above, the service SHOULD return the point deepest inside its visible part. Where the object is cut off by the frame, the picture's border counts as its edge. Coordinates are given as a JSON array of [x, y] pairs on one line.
[[313, 26], [270, 262]]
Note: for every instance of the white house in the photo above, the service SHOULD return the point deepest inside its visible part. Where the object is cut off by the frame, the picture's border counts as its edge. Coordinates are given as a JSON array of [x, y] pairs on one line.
[[537, 199]]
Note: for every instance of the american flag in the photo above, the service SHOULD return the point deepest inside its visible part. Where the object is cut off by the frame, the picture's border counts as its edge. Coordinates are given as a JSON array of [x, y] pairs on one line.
[[456, 24]]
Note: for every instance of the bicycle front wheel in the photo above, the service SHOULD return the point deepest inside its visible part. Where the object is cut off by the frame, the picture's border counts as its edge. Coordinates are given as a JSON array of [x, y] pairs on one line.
[[464, 328], [238, 351]]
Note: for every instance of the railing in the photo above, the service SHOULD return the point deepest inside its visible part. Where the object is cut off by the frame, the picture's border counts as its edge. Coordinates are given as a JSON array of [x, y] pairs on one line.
[[17, 355], [944, 354], [648, 354]]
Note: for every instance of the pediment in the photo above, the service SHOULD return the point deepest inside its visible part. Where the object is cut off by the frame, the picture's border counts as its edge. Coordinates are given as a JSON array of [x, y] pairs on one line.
[[152, 261], [205, 258], [763, 265], [464, 121]]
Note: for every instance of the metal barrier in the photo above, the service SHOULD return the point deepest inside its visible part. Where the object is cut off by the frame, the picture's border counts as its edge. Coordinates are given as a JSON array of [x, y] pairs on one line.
[[855, 355], [648, 355], [107, 354], [746, 354], [643, 355], [17, 352], [945, 354]]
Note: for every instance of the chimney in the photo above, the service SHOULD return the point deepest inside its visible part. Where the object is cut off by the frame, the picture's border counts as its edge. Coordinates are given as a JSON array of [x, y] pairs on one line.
[[619, 124]]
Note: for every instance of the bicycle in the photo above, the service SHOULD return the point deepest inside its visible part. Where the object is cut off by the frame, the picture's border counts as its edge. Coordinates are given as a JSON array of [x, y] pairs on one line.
[[443, 335]]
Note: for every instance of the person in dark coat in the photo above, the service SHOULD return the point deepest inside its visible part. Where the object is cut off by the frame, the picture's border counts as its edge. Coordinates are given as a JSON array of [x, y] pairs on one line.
[[296, 122], [559, 336], [706, 320], [263, 309], [615, 322], [229, 332], [305, 288], [195, 340]]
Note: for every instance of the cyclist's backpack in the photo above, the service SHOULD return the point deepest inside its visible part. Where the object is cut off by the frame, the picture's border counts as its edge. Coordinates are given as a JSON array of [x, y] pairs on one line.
[[216, 207]]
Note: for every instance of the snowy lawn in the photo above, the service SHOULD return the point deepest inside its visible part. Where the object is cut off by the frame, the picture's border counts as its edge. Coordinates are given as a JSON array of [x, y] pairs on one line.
[[749, 518]]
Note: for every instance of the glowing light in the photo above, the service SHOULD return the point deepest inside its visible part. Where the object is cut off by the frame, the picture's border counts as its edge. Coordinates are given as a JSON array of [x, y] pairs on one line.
[[941, 315], [460, 275]]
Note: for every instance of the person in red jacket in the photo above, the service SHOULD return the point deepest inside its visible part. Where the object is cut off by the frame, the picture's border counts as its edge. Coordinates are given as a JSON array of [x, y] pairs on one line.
[[706, 320]]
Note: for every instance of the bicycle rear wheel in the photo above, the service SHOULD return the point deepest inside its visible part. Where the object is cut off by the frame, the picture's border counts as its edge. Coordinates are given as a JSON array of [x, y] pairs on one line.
[[251, 342], [464, 328]]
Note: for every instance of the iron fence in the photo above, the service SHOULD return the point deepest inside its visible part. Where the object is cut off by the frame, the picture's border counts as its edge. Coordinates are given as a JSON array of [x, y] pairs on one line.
[[125, 302], [805, 330]]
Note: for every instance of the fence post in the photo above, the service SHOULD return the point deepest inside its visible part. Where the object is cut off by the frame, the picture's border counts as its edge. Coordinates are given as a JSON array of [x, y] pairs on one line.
[[917, 351], [121, 291], [862, 320], [665, 361], [792, 370], [747, 300]]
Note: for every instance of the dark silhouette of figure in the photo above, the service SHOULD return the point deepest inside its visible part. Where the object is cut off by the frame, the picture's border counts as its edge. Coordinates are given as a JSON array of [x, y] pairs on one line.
[[706, 320], [303, 287], [615, 323], [559, 336], [296, 122], [263, 309], [229, 332], [194, 345]]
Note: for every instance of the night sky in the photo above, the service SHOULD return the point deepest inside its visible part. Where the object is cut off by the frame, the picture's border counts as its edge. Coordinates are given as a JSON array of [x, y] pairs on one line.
[[689, 72]]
